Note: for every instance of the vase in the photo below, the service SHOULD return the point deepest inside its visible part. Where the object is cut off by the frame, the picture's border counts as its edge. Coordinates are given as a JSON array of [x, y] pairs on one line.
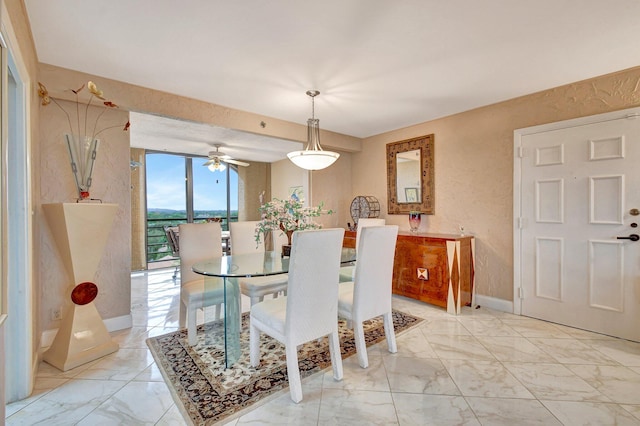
[[414, 221], [286, 248], [82, 153]]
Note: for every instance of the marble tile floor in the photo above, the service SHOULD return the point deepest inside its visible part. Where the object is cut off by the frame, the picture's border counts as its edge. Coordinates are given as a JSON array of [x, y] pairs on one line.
[[483, 367]]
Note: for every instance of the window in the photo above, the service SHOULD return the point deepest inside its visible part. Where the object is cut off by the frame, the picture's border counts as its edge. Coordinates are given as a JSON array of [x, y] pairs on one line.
[[181, 190]]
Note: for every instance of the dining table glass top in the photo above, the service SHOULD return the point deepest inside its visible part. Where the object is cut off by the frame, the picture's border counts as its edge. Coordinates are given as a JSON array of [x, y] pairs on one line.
[[254, 264]]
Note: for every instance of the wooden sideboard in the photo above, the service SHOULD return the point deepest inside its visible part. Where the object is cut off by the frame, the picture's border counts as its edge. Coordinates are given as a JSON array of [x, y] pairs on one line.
[[434, 268]]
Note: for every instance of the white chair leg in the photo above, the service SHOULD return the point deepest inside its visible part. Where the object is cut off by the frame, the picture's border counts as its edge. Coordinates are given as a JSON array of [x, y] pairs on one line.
[[389, 332], [254, 346], [218, 311], [336, 356], [182, 322], [293, 373], [191, 326], [361, 346]]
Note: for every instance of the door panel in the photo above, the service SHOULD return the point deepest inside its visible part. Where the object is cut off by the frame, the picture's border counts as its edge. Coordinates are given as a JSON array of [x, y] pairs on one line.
[[578, 186]]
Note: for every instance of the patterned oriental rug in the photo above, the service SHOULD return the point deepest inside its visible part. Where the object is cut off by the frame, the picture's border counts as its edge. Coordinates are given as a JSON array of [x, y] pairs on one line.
[[207, 393]]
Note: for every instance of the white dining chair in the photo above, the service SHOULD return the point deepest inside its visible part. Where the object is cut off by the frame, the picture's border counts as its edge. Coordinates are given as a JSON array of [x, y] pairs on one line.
[[309, 311], [198, 241], [346, 272], [369, 295], [243, 240]]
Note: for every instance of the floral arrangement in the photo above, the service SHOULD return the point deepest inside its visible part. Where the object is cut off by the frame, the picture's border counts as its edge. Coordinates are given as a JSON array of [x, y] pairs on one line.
[[287, 216], [82, 124], [81, 140]]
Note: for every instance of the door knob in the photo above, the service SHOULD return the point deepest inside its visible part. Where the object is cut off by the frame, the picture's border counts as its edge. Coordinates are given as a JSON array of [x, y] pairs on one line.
[[632, 237]]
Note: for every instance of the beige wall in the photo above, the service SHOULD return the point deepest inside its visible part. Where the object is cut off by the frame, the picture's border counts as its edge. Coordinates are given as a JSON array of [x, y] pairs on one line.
[[284, 175], [252, 181], [332, 187], [474, 166]]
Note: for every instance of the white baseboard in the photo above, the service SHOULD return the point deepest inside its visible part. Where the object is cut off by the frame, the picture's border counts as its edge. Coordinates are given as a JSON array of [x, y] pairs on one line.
[[494, 303], [119, 323], [112, 324]]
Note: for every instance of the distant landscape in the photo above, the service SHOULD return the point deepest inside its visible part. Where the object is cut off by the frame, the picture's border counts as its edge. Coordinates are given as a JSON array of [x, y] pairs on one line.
[[170, 214], [157, 245]]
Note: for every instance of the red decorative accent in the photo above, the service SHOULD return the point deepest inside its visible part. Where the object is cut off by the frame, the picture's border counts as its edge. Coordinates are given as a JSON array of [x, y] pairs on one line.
[[84, 293], [84, 195]]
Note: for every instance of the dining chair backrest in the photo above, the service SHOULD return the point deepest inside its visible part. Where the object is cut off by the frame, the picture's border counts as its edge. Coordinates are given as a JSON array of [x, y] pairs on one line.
[[312, 297], [363, 222], [173, 239], [374, 271], [198, 241], [243, 237]]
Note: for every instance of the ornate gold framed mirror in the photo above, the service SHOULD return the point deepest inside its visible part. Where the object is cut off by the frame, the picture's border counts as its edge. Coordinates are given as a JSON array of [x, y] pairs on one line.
[[410, 176]]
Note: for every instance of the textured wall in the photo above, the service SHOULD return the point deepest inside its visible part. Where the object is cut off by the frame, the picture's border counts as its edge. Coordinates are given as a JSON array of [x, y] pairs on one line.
[[111, 183], [284, 174], [252, 181], [332, 186], [474, 166]]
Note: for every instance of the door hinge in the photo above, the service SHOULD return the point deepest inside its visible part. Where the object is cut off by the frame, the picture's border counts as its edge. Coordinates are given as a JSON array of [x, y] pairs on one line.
[[521, 222], [520, 152], [520, 293]]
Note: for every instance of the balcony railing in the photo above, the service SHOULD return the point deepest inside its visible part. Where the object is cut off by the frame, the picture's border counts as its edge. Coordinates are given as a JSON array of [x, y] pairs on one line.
[[158, 248]]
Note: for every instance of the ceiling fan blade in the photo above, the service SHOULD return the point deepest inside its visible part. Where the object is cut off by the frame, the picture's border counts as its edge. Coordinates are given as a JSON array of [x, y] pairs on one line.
[[236, 162], [210, 161]]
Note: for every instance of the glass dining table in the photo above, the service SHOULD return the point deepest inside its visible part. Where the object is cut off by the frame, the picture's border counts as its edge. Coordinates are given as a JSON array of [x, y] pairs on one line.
[[230, 268]]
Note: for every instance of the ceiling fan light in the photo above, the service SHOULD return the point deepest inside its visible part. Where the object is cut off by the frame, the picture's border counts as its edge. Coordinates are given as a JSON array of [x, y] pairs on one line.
[[216, 167], [313, 157]]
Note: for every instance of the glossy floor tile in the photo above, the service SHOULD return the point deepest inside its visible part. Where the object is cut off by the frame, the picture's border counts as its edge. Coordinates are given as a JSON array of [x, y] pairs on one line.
[[480, 368]]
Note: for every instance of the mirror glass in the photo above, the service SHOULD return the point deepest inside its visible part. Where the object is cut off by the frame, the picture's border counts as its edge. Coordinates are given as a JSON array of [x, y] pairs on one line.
[[408, 177], [410, 172]]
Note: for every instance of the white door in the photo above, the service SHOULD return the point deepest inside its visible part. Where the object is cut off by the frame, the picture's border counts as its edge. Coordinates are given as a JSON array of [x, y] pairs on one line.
[[580, 187]]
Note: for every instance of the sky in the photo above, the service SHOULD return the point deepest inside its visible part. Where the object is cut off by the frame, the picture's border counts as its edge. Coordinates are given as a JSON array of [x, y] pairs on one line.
[[166, 187]]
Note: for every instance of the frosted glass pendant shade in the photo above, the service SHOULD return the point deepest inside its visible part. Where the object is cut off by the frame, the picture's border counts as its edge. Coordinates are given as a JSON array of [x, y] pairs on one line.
[[313, 160]]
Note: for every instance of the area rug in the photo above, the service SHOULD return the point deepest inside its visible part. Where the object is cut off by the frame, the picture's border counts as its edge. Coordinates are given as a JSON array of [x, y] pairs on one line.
[[207, 393]]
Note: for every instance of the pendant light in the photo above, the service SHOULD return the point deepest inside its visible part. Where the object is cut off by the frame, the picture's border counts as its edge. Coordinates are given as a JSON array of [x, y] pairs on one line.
[[313, 157]]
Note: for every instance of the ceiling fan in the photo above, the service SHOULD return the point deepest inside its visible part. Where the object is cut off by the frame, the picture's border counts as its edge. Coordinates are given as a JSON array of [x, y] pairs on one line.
[[217, 159]]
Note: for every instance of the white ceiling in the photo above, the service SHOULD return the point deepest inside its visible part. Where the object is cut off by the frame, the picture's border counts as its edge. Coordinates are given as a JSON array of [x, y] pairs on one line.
[[379, 64]]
